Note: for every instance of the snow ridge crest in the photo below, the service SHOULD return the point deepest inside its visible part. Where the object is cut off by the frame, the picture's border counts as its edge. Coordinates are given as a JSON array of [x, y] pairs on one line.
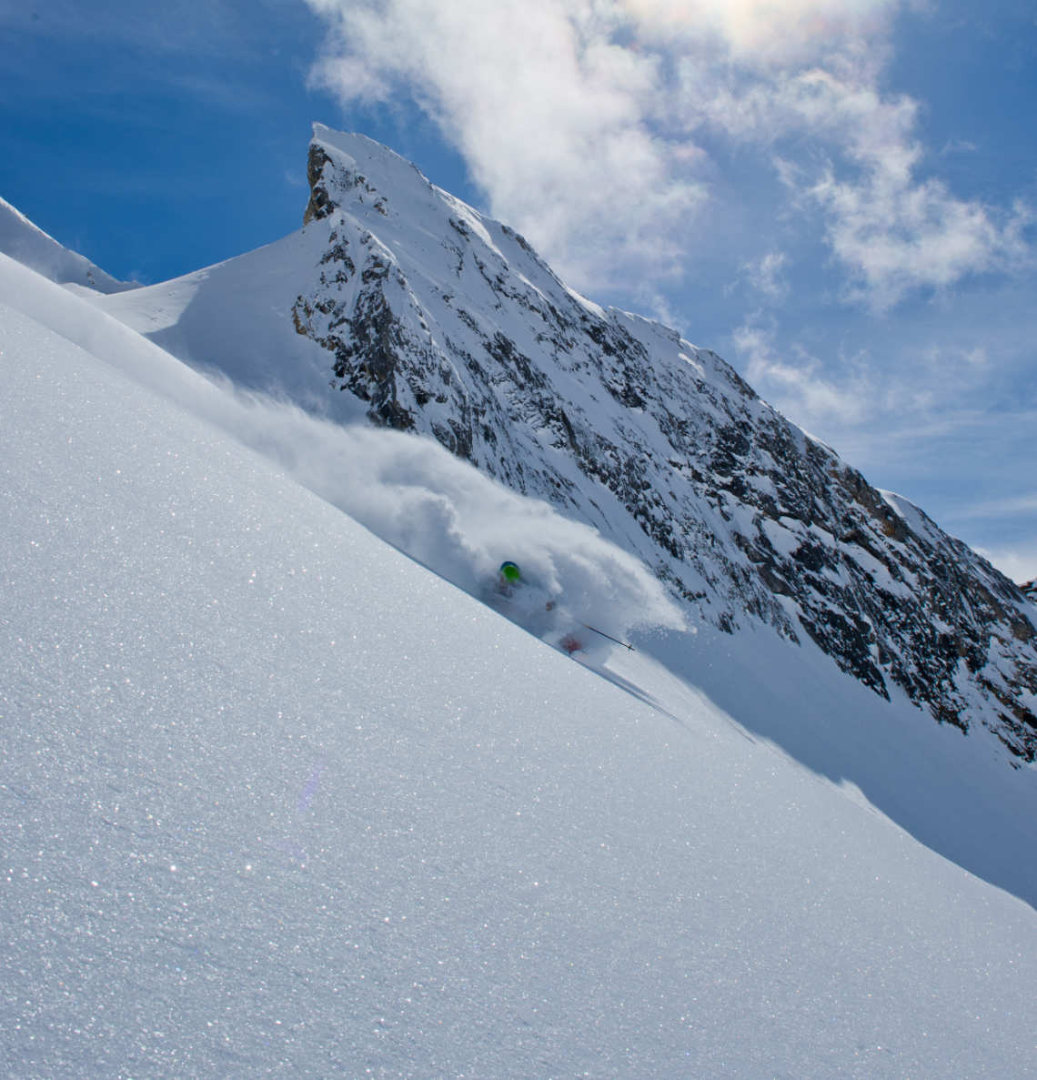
[[28, 244]]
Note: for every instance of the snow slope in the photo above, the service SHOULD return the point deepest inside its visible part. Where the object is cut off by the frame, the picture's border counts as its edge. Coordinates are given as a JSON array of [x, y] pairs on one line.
[[30, 245], [198, 318], [952, 794], [277, 801]]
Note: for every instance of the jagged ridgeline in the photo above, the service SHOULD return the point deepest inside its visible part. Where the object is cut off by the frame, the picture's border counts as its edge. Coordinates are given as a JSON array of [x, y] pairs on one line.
[[448, 323]]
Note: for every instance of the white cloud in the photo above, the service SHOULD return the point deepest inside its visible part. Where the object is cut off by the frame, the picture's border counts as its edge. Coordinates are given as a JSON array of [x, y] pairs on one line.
[[797, 386], [763, 31], [585, 120], [893, 230], [1017, 563], [550, 115], [896, 233]]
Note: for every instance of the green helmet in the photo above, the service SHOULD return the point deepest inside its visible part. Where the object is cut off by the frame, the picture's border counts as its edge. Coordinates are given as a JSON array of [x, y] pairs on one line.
[[510, 572]]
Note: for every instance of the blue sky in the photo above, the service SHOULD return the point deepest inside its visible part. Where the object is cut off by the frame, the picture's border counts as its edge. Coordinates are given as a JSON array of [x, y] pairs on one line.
[[839, 196]]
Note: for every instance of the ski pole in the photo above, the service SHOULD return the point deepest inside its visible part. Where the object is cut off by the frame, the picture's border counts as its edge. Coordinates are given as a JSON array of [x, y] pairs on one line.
[[625, 644]]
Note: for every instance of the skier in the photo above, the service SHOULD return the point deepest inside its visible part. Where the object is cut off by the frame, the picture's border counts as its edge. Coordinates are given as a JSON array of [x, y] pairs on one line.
[[508, 577]]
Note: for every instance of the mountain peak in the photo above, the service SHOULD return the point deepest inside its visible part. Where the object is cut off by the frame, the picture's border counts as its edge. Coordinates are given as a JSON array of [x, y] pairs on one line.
[[447, 323], [361, 150], [345, 168]]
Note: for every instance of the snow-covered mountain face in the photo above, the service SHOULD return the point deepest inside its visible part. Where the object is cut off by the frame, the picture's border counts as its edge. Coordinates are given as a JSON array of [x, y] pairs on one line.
[[431, 318], [32, 247], [448, 323]]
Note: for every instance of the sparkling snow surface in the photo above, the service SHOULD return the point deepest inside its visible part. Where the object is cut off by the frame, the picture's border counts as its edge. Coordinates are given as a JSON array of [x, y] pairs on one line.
[[277, 801]]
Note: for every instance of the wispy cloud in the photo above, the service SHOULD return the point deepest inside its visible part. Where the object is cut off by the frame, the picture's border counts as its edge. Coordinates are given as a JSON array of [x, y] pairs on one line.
[[766, 275], [797, 385], [1018, 563], [586, 122], [958, 146], [931, 395], [1019, 504]]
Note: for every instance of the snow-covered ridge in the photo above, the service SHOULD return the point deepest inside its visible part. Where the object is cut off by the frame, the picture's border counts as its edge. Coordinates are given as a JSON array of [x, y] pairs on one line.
[[31, 246]]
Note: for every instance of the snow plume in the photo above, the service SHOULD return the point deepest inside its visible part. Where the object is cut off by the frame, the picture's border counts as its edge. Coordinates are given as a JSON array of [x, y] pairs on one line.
[[407, 490], [586, 122], [447, 515]]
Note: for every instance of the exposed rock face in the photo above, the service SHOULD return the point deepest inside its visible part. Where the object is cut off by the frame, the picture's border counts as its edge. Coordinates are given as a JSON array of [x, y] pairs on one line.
[[447, 323], [1030, 589]]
